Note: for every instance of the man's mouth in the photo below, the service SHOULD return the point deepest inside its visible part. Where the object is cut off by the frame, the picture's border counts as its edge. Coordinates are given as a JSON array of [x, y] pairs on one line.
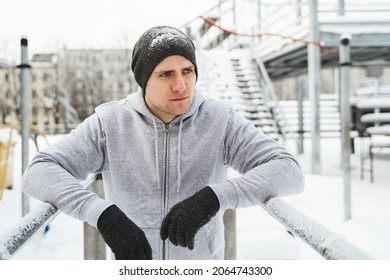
[[179, 99]]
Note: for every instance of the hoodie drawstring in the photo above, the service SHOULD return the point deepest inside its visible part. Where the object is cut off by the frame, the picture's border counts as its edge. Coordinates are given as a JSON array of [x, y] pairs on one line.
[[156, 153], [179, 156]]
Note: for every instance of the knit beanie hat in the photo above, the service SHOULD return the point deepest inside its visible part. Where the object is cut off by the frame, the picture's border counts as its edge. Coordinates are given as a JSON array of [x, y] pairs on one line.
[[156, 44]]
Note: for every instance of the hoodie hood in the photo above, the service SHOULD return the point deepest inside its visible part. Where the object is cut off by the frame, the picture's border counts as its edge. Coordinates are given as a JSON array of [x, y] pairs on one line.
[[137, 101]]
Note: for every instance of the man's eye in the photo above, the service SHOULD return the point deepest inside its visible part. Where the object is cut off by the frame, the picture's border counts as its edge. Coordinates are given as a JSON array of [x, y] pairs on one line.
[[187, 71], [165, 74]]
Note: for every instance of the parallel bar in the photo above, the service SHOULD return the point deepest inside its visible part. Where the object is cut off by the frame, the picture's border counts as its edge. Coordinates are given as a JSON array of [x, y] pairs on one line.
[[314, 70], [300, 140], [13, 240], [229, 221], [25, 103], [345, 110], [328, 244], [94, 245]]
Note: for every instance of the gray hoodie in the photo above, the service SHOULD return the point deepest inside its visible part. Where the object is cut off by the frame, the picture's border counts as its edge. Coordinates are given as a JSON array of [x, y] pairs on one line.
[[149, 166]]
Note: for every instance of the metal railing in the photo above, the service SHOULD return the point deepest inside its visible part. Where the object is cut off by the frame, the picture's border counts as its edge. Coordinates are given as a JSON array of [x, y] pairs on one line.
[[282, 23], [16, 237], [273, 99], [12, 240], [328, 244]]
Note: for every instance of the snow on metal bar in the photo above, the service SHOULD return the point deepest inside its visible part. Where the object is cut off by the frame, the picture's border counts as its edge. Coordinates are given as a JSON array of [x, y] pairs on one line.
[[17, 236], [328, 244], [25, 229]]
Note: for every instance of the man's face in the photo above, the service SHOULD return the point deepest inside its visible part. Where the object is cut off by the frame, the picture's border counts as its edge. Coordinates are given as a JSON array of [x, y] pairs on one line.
[[170, 89]]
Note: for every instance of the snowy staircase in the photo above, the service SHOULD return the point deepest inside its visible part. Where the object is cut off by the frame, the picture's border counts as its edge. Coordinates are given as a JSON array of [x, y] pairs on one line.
[[329, 115], [231, 77], [252, 102]]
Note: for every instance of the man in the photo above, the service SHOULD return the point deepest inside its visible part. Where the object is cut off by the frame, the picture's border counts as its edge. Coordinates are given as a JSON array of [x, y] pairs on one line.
[[163, 153]]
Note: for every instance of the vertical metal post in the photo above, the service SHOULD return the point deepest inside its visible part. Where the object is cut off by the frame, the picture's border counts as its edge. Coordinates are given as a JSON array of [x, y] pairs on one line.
[[337, 92], [234, 18], [94, 245], [229, 220], [345, 63], [300, 115], [220, 38], [376, 93], [259, 17], [299, 11], [25, 102], [220, 11], [336, 75], [341, 9], [189, 32], [234, 12], [314, 69]]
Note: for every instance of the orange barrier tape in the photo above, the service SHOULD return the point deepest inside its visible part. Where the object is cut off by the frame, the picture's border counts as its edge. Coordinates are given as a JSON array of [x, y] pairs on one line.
[[302, 40]]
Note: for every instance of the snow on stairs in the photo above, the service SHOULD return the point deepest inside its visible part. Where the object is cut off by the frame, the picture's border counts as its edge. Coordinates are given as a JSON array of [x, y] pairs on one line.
[[329, 115], [251, 103], [226, 76]]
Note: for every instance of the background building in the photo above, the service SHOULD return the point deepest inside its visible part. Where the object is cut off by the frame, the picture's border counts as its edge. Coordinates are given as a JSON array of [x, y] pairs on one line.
[[44, 77], [9, 86], [95, 76], [66, 87]]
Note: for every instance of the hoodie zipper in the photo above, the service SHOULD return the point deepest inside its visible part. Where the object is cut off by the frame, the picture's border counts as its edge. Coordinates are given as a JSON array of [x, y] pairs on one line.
[[165, 187]]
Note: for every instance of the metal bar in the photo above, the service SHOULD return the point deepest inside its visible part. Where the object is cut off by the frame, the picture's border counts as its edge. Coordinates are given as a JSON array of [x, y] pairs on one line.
[[300, 146], [345, 64], [271, 97], [220, 11], [314, 69], [25, 102], [259, 16], [229, 221], [234, 12], [12, 240], [325, 242], [341, 10], [298, 12], [328, 244], [94, 245]]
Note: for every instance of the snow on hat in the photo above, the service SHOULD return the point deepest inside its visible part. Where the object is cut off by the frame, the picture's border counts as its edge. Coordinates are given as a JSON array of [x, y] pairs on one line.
[[156, 44]]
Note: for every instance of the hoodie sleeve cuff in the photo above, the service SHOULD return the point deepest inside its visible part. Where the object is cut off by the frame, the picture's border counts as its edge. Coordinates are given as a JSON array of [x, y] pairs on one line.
[[92, 209], [227, 195]]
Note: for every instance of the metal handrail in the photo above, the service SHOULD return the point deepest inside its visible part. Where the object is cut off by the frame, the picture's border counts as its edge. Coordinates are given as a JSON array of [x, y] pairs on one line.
[[16, 237], [12, 240], [328, 244], [273, 100], [288, 18]]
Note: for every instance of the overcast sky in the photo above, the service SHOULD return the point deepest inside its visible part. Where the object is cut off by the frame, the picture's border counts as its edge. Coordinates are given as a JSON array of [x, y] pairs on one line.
[[51, 24]]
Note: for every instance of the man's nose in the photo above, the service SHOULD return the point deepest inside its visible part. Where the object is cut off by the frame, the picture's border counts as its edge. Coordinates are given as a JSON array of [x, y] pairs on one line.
[[179, 84]]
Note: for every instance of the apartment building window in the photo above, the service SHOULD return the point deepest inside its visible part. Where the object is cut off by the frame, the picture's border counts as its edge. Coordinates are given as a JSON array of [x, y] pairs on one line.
[[45, 77]]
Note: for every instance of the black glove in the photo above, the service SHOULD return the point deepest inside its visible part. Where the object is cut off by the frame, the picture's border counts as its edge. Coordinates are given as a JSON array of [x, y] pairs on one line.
[[187, 217], [126, 240]]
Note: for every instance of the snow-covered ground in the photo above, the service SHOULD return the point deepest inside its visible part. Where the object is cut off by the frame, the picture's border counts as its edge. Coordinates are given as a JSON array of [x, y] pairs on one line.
[[259, 236]]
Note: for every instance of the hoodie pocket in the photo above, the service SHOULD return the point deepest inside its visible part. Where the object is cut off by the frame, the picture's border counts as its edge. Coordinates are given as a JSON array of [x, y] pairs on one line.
[[201, 250], [154, 239]]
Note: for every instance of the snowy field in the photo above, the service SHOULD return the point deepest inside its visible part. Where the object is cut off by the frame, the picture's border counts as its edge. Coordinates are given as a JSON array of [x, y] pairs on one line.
[[259, 236]]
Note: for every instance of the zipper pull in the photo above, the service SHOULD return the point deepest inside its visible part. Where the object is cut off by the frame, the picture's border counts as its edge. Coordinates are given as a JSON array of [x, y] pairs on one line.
[[167, 128]]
